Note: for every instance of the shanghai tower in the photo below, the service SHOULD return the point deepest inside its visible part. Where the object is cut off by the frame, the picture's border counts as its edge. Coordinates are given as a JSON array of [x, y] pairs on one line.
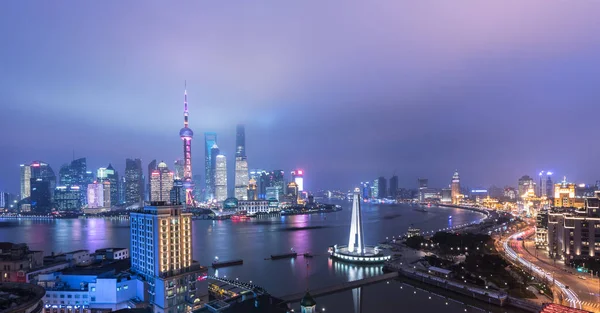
[[186, 135]]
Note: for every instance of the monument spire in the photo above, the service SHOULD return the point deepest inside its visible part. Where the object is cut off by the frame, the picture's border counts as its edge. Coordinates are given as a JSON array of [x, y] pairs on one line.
[[356, 243]]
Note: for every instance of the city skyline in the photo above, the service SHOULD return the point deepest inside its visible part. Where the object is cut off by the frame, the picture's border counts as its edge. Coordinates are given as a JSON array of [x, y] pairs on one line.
[[420, 98]]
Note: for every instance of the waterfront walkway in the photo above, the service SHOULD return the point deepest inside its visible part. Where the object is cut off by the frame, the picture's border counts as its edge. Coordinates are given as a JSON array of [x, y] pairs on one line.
[[340, 287]]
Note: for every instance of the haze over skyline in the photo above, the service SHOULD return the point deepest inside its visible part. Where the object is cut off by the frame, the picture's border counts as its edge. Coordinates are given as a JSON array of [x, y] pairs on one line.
[[345, 91]]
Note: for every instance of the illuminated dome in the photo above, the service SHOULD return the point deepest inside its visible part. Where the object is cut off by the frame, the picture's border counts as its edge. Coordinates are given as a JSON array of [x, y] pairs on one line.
[[186, 132], [162, 164]]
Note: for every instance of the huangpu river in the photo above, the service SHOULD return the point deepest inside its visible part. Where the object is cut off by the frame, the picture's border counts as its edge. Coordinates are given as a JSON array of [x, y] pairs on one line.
[[257, 239]]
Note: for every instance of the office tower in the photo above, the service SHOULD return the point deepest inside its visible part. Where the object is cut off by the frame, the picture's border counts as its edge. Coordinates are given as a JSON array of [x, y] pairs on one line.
[[151, 168], [276, 179], [240, 141], [80, 176], [381, 187], [198, 194], [98, 195], [101, 173], [298, 178], [262, 182], [375, 189], [356, 242], [455, 188], [134, 182], [65, 175], [178, 169], [67, 198], [187, 135], [177, 193], [113, 177], [220, 178], [252, 190], [25, 181], [525, 183], [161, 183], [161, 252], [272, 193], [393, 187], [41, 197], [122, 189], [549, 185], [241, 178], [292, 192], [366, 190], [214, 152], [210, 140], [564, 194], [423, 185]]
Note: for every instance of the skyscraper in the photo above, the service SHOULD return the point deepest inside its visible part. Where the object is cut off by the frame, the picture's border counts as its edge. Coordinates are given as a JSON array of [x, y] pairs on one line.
[[151, 168], [210, 139], [393, 187], [240, 141], [161, 252], [241, 178], [113, 177], [214, 152], [276, 179], [98, 195], [186, 135], [423, 185], [381, 187], [161, 183], [134, 182], [252, 190], [178, 169], [455, 188], [525, 183], [42, 184], [220, 178], [67, 198], [25, 181], [298, 178]]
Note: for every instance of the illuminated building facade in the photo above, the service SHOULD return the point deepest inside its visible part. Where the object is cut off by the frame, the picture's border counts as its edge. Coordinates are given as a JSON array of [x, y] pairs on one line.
[[161, 183], [161, 252], [151, 168], [252, 190], [210, 140], [276, 179], [524, 185], [545, 186], [220, 178], [541, 229], [575, 235], [214, 152], [187, 135], [253, 207], [564, 195], [67, 198], [241, 178], [240, 141], [423, 185], [298, 178], [134, 182], [375, 189], [356, 241], [98, 195], [25, 181], [272, 193], [178, 166], [455, 186]]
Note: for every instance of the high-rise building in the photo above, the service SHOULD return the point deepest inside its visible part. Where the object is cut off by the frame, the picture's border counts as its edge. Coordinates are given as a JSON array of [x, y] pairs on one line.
[[298, 178], [161, 252], [545, 178], [549, 185], [210, 139], [375, 189], [122, 188], [292, 192], [220, 178], [178, 169], [177, 193], [455, 186], [98, 195], [25, 181], [214, 152], [134, 182], [382, 187], [161, 183], [525, 183], [80, 176], [276, 179], [113, 177], [272, 193], [423, 185], [240, 141], [67, 198], [252, 190], [366, 190], [151, 168], [393, 187], [41, 197], [241, 178], [198, 186], [65, 175]]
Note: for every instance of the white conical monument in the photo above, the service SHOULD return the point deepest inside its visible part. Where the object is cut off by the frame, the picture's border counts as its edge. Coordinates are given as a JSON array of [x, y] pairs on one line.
[[356, 243]]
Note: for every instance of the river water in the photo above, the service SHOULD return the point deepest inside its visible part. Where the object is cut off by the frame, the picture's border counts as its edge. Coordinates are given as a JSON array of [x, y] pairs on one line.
[[253, 241]]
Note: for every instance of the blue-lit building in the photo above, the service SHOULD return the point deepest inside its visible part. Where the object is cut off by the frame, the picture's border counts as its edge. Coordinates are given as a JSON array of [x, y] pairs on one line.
[[67, 198], [210, 139]]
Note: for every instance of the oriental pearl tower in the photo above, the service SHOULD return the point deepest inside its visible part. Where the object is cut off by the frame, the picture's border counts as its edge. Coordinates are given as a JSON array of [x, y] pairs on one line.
[[186, 135]]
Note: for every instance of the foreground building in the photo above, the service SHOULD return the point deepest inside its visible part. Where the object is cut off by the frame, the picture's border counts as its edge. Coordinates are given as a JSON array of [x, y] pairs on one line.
[[161, 254], [575, 234]]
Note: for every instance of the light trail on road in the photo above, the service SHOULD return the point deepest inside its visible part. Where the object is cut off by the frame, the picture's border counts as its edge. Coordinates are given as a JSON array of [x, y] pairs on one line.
[[572, 297]]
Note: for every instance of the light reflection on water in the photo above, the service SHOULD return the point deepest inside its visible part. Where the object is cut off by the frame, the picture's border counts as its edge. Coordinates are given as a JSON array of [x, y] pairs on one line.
[[252, 241]]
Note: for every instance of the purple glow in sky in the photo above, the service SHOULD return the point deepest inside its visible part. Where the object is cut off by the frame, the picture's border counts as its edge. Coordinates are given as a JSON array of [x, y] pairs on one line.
[[347, 90]]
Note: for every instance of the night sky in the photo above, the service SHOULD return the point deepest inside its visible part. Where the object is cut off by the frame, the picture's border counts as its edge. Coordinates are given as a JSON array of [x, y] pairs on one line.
[[344, 90]]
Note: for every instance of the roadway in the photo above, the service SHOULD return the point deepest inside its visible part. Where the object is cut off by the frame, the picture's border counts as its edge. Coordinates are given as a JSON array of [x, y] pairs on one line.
[[574, 291]]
